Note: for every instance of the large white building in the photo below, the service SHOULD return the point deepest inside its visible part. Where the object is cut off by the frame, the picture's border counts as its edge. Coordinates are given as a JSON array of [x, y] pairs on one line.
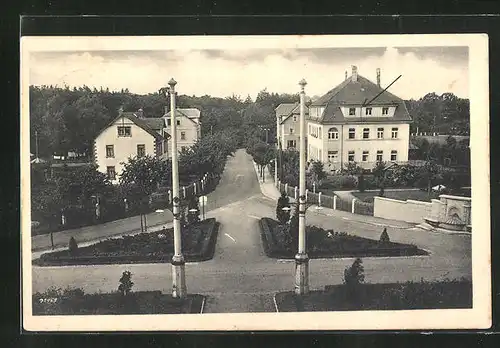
[[357, 121], [129, 135], [188, 126]]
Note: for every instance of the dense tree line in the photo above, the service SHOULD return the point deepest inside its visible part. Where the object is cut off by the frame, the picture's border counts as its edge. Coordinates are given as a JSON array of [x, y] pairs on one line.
[[444, 114]]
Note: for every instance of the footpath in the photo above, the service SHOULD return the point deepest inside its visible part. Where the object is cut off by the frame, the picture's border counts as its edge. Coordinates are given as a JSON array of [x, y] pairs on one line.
[[270, 191]]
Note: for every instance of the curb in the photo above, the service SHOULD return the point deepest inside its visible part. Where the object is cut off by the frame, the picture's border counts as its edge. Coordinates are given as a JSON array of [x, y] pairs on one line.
[[275, 303], [202, 305]]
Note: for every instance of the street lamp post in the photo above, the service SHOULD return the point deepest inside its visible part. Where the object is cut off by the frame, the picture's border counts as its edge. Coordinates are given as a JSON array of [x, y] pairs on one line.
[[179, 289], [302, 259], [278, 149]]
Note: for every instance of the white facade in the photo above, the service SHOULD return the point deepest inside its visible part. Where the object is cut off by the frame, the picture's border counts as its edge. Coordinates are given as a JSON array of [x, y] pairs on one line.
[[120, 141], [188, 127], [336, 145], [290, 132]]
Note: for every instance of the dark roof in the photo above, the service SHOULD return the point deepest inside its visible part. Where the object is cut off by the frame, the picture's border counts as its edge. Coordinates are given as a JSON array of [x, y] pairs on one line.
[[285, 109], [142, 123], [359, 92], [294, 109], [191, 113]]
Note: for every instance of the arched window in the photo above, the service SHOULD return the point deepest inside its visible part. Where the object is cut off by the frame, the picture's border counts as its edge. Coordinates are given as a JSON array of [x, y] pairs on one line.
[[333, 133]]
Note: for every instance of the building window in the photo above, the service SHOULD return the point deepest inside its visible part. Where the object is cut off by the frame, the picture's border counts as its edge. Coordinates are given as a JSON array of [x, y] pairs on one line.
[[111, 173], [291, 130], [291, 144], [380, 154], [394, 133], [394, 155], [365, 156], [178, 122], [350, 156], [168, 122], [333, 156], [141, 150], [366, 133], [110, 151], [294, 118], [380, 133], [124, 131], [352, 111], [368, 111], [333, 133], [385, 111], [352, 133], [183, 135]]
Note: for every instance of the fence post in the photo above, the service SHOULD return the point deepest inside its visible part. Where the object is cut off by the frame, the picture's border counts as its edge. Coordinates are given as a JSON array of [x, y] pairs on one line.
[[334, 202], [169, 196], [286, 189], [307, 191], [184, 191], [353, 204], [202, 185], [194, 186], [296, 192], [319, 199]]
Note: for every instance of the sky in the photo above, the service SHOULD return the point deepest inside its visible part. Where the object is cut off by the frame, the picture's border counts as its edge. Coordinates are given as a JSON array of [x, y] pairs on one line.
[[222, 73]]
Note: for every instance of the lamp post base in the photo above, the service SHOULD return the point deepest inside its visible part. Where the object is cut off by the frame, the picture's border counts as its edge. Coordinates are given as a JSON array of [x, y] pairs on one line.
[[179, 289], [301, 274]]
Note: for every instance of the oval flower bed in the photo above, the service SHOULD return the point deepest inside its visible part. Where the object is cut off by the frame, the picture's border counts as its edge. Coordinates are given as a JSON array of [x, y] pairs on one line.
[[198, 244], [323, 243]]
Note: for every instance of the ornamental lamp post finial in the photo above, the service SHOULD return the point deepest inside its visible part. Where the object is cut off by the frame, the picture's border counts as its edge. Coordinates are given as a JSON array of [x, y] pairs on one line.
[[172, 82], [302, 84]]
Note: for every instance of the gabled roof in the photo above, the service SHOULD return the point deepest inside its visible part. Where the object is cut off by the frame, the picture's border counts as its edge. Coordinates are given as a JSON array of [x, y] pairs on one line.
[[290, 109], [285, 109], [142, 123], [358, 93], [190, 113]]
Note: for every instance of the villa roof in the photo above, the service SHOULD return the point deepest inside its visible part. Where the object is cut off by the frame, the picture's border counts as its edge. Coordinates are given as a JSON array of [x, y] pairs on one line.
[[358, 93]]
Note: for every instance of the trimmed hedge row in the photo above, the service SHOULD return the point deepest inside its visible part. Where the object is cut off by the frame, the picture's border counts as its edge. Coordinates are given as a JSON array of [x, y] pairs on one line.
[[205, 241], [342, 244], [75, 302]]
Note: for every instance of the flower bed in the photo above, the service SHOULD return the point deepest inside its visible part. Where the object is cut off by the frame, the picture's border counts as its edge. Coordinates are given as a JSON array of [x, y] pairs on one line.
[[75, 302], [198, 245], [323, 243], [395, 296]]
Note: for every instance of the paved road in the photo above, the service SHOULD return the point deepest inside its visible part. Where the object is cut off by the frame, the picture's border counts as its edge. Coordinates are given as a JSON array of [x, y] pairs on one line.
[[240, 278], [236, 184]]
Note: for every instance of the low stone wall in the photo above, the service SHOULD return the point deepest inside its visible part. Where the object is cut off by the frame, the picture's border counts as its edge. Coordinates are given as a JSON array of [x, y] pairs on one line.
[[408, 211]]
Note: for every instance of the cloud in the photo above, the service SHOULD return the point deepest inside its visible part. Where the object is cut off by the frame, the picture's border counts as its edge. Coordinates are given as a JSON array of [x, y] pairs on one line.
[[242, 72]]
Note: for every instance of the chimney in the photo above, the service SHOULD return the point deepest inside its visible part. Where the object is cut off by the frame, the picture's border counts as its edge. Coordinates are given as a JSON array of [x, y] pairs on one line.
[[354, 76], [346, 74], [378, 77], [140, 113]]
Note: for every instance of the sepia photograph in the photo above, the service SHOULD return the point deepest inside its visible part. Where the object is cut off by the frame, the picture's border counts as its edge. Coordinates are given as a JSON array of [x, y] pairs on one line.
[[255, 183]]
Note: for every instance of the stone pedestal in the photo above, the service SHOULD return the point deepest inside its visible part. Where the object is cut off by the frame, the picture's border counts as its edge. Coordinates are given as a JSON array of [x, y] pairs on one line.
[[301, 274], [179, 289]]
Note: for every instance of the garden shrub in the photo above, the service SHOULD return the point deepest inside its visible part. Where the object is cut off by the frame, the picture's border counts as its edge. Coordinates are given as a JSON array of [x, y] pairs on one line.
[[361, 183], [126, 283], [73, 246], [281, 215], [353, 278], [384, 237]]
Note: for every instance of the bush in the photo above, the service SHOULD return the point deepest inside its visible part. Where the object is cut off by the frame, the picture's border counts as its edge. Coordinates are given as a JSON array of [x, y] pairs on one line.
[[281, 215], [126, 283], [384, 237], [354, 275], [73, 246]]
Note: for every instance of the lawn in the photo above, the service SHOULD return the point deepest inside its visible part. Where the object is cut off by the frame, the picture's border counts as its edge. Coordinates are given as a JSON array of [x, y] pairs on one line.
[[329, 244], [445, 294], [75, 302], [198, 242]]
